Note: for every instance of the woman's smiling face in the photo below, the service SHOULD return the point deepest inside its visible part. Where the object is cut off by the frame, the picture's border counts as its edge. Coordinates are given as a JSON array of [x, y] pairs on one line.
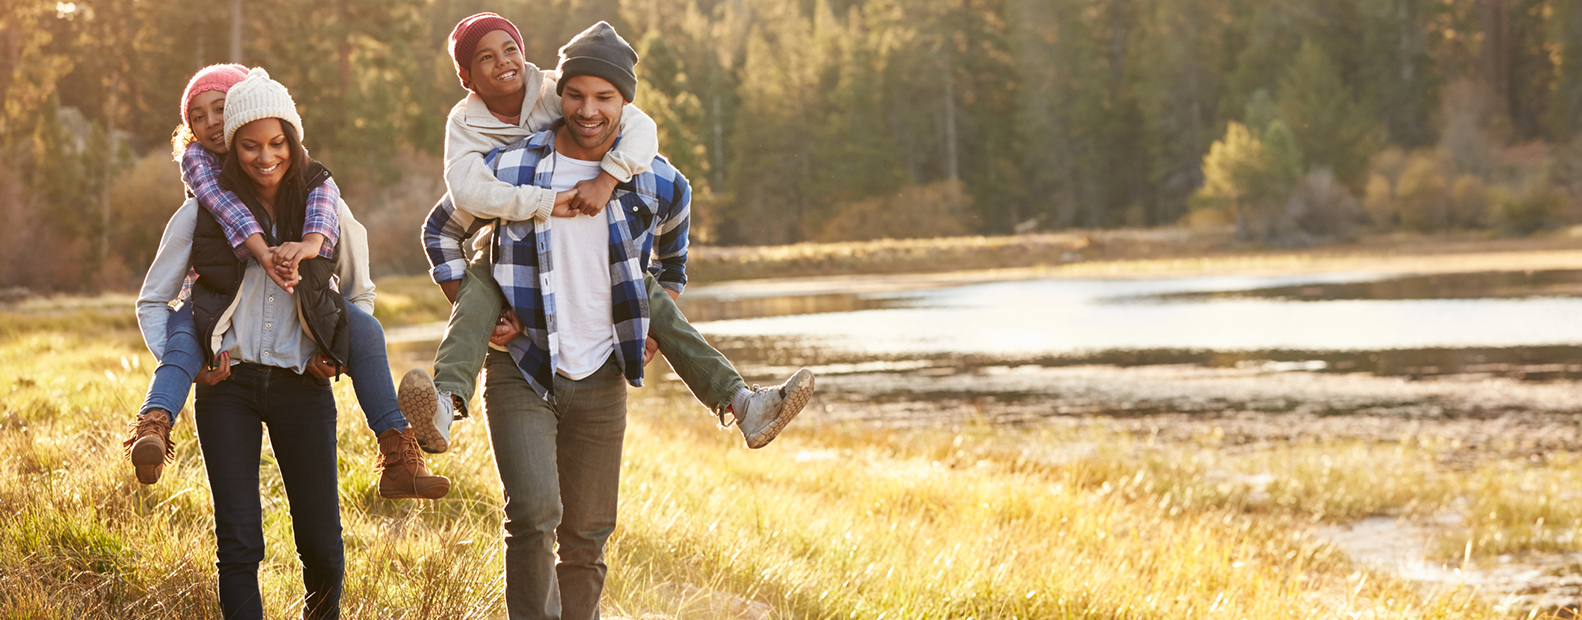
[[206, 119], [263, 152]]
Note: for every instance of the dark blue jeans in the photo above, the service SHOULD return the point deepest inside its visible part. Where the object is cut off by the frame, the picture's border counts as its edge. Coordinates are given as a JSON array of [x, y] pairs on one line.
[[299, 413], [369, 368]]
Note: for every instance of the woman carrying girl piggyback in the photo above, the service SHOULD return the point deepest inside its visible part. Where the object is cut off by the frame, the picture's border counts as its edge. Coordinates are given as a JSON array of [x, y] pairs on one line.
[[199, 143], [272, 330]]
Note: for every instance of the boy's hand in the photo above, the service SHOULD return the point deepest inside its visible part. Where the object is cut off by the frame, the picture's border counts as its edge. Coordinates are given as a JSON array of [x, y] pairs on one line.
[[563, 204], [217, 373], [506, 329], [590, 196]]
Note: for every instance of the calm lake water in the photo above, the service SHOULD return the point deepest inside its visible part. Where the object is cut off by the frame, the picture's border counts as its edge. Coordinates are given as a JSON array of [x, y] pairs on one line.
[[1493, 322]]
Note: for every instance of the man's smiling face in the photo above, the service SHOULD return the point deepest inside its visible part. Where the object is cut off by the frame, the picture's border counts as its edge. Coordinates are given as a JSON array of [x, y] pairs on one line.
[[496, 67], [593, 110]]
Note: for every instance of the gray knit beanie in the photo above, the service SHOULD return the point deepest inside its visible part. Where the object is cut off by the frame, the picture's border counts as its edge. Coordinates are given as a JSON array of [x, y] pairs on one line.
[[259, 97], [600, 52]]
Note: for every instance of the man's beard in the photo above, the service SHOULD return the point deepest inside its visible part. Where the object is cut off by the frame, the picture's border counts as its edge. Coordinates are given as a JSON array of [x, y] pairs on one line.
[[604, 136]]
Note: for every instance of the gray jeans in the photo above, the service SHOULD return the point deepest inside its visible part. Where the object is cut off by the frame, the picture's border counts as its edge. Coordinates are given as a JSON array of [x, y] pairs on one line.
[[561, 468]]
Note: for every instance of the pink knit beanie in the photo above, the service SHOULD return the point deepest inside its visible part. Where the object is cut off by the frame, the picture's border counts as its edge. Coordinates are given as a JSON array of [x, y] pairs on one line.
[[212, 77]]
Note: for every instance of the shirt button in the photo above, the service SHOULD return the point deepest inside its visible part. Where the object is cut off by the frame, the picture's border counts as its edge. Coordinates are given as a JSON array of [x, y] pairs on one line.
[[268, 325], [266, 354], [271, 298]]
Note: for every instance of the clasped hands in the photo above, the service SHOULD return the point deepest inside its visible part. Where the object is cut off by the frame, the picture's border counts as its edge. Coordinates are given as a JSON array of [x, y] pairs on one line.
[[586, 197]]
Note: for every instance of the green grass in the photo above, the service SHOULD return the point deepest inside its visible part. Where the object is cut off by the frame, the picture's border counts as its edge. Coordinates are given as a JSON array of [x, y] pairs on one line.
[[828, 522]]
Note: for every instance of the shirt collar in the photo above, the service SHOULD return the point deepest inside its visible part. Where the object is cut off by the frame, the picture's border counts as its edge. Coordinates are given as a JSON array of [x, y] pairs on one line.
[[478, 115]]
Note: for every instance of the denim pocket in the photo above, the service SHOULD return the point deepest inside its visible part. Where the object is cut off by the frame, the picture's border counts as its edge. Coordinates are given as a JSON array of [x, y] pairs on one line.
[[315, 382]]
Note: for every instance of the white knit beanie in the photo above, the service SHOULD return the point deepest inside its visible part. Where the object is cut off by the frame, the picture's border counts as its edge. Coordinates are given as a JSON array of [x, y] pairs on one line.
[[259, 97]]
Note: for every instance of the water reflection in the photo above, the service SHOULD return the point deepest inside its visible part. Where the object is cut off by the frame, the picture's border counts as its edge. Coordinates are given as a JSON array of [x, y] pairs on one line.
[[1519, 325], [1068, 317], [1485, 285]]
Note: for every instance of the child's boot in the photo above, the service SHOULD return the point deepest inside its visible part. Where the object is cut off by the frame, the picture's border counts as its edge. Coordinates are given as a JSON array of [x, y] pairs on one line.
[[149, 447], [403, 475], [765, 411], [429, 411]]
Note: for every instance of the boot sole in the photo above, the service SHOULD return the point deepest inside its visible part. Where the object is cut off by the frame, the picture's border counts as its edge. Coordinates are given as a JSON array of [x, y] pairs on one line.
[[148, 458], [419, 402], [148, 474], [799, 391], [429, 493]]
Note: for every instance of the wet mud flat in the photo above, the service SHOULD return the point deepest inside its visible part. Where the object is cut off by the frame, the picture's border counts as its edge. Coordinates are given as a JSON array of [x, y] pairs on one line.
[[1249, 405], [1470, 418]]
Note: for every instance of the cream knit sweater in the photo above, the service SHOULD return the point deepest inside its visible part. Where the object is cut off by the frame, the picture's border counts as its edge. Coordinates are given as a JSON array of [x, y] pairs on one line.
[[471, 132]]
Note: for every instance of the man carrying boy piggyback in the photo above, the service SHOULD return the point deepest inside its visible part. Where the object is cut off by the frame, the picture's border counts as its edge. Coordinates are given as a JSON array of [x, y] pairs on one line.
[[555, 399], [511, 100]]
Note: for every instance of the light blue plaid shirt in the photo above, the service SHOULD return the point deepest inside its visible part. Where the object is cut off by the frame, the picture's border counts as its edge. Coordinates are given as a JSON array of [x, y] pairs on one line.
[[648, 218]]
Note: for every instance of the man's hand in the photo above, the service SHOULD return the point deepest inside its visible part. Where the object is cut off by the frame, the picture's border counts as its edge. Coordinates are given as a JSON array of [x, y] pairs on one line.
[[650, 347], [217, 373], [321, 367], [506, 329], [450, 288], [590, 196]]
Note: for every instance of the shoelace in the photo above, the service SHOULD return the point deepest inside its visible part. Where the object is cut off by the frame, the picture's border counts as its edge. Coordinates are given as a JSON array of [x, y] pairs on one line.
[[149, 426], [408, 452]]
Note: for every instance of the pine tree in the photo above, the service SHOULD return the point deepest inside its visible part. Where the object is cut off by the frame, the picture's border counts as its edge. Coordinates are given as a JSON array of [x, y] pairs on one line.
[[1332, 129]]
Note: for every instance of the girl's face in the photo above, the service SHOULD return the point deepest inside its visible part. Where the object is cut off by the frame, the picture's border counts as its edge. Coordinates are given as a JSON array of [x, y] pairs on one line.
[[262, 150], [496, 69], [206, 119]]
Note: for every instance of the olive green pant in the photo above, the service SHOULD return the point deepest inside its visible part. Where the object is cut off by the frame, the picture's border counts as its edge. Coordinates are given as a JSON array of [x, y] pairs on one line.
[[705, 371]]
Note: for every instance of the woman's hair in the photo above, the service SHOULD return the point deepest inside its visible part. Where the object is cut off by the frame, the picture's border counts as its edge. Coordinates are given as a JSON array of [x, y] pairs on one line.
[[179, 139], [292, 197]]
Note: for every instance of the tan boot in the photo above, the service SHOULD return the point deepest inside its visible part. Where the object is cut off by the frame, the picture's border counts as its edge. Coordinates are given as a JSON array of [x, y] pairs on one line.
[[149, 447], [404, 475]]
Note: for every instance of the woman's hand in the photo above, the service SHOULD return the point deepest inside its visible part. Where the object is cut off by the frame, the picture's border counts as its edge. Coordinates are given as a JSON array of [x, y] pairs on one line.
[[321, 367], [650, 347], [217, 373], [506, 329]]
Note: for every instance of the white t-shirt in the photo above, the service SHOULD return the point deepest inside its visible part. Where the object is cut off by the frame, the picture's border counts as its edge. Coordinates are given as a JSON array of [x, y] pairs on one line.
[[580, 249]]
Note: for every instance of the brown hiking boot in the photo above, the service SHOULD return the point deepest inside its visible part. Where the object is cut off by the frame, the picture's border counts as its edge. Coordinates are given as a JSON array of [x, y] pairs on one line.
[[404, 475], [149, 447]]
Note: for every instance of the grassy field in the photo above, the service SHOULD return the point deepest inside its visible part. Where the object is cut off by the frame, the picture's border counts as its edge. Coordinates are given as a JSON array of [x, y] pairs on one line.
[[828, 522]]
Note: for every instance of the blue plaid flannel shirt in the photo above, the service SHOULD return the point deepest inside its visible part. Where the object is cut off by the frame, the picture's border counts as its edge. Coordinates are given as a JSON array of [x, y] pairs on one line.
[[648, 217]]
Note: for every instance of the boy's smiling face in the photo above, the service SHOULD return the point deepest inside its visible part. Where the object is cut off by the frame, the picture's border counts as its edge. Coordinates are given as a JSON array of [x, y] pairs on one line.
[[496, 67], [206, 119]]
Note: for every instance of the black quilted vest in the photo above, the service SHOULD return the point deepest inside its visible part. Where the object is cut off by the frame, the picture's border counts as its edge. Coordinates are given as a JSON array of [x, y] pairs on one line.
[[322, 309]]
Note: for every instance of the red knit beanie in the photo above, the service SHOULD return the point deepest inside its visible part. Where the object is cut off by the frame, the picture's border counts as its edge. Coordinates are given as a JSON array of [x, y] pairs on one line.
[[464, 40], [212, 77]]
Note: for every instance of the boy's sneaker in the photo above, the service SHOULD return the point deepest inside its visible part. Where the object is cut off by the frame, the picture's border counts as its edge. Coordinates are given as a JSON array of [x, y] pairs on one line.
[[403, 474], [428, 411], [149, 447], [770, 409]]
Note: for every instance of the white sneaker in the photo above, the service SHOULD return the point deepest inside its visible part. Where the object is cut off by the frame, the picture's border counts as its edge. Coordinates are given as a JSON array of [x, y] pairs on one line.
[[770, 409], [429, 412]]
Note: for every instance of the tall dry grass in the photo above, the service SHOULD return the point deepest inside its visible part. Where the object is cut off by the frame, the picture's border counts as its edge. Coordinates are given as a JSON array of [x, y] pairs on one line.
[[830, 521]]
